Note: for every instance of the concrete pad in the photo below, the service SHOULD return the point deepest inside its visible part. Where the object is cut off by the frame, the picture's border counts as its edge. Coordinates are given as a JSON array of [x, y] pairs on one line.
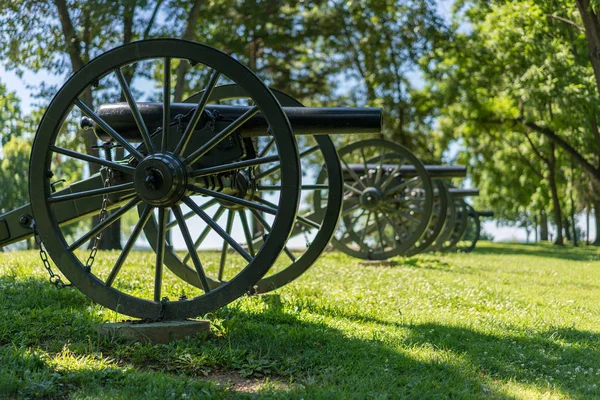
[[154, 332]]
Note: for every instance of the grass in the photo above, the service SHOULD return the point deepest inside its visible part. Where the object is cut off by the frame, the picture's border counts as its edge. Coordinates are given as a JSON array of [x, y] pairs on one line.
[[507, 321]]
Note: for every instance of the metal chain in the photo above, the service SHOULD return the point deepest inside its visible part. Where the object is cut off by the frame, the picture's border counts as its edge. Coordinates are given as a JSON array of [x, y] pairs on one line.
[[54, 279], [103, 212], [102, 217]]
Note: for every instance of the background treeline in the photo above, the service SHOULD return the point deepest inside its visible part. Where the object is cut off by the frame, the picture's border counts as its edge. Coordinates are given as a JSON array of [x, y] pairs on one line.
[[512, 87]]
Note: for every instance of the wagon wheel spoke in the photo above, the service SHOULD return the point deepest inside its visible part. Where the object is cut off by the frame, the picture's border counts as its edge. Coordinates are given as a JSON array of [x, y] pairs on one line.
[[232, 199], [412, 209], [135, 111], [276, 168], [166, 105], [379, 229], [364, 233], [228, 228], [146, 214], [100, 227], [205, 231], [299, 218], [379, 172], [403, 215], [247, 233], [267, 147], [351, 209], [190, 246], [233, 166], [391, 176], [352, 188], [125, 187], [109, 130], [96, 160], [409, 184], [190, 203], [365, 166], [267, 228], [198, 112], [160, 252], [190, 214], [350, 226], [216, 139], [353, 174], [394, 226]]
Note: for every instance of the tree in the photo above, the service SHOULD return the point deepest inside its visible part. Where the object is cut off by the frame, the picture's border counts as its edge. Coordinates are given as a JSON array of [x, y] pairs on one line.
[[63, 36], [521, 68]]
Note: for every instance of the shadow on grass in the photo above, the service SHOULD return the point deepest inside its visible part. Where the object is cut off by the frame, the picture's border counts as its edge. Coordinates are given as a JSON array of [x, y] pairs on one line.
[[580, 253], [320, 360]]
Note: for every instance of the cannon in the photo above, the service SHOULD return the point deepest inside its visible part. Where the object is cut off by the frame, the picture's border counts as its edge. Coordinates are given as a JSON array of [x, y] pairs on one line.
[[182, 158], [383, 165], [473, 232], [456, 221]]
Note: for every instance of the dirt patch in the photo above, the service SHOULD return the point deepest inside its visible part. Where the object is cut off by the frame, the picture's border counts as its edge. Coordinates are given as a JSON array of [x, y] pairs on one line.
[[235, 382]]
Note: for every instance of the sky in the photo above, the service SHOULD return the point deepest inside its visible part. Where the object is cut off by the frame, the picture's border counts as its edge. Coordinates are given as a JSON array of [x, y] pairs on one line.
[[20, 86]]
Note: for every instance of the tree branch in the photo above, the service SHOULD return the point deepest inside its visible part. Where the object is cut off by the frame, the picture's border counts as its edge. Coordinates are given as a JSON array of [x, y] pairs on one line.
[[188, 34], [535, 149], [550, 134], [152, 19], [566, 21], [71, 39], [529, 164]]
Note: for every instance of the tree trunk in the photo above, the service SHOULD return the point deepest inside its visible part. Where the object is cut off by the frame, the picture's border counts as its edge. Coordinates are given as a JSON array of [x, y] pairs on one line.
[[555, 198], [592, 34], [188, 34], [587, 225], [567, 226], [536, 226], [543, 227], [597, 219]]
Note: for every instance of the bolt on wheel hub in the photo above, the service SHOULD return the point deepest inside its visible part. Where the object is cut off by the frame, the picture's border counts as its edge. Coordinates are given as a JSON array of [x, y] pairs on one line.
[[371, 198], [161, 179]]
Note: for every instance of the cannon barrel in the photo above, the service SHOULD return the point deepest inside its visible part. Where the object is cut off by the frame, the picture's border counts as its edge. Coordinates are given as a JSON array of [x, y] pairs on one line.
[[456, 192], [485, 213], [304, 120], [434, 171]]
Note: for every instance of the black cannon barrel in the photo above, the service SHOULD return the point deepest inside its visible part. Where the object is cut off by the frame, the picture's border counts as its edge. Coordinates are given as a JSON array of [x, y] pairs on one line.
[[304, 120], [486, 213], [456, 192], [434, 171]]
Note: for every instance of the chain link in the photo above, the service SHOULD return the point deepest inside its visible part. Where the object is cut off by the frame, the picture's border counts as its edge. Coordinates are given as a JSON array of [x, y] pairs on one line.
[[102, 217], [54, 279]]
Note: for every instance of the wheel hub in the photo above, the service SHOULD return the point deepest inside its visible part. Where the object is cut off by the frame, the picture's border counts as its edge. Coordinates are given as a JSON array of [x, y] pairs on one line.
[[161, 179], [371, 198]]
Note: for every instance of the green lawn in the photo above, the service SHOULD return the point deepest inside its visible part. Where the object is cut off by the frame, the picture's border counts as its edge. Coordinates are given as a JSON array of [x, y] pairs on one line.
[[507, 321]]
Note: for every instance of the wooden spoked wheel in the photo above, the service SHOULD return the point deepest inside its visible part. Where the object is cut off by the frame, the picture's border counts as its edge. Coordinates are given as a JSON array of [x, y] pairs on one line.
[[159, 174], [388, 200]]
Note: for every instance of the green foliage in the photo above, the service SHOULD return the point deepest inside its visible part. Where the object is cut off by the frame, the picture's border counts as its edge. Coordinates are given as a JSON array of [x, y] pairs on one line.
[[516, 74], [14, 168]]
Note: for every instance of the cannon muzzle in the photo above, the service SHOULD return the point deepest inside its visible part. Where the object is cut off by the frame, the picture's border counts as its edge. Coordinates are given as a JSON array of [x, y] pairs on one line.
[[304, 120], [487, 213]]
